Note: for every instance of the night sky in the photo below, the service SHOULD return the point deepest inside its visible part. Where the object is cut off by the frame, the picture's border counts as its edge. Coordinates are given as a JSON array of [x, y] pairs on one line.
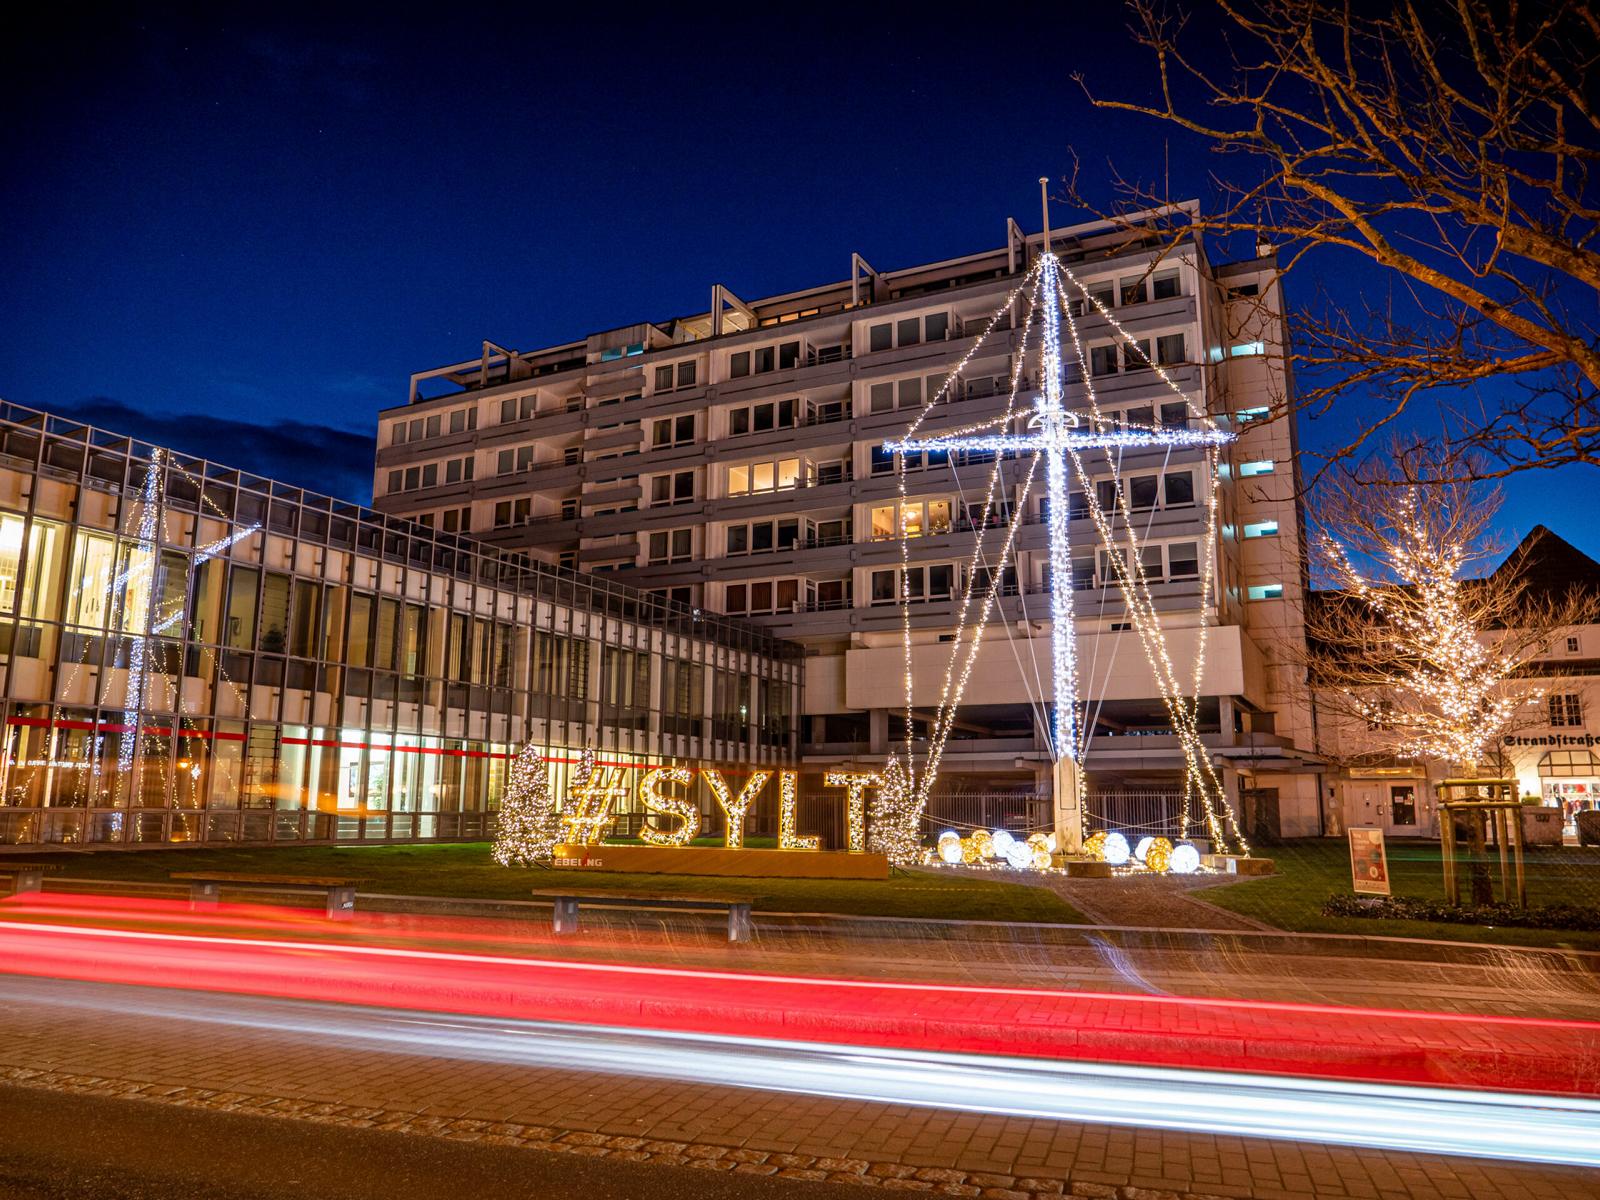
[[239, 234]]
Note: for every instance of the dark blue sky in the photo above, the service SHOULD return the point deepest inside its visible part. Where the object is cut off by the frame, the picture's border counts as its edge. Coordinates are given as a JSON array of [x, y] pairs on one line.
[[270, 219]]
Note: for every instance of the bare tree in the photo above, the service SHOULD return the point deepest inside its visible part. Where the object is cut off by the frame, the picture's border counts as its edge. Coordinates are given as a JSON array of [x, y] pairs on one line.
[[1416, 642], [1449, 142]]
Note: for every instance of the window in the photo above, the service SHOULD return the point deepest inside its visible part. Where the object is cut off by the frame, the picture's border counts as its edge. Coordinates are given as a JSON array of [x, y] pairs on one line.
[[517, 408], [919, 517], [1255, 529], [1136, 355], [456, 520], [1183, 560], [1243, 291], [762, 537], [1175, 415], [463, 420], [1133, 291], [1179, 487], [1402, 804], [512, 512], [396, 481], [611, 353], [676, 488], [1170, 349], [784, 356], [1166, 285], [1142, 491], [1573, 646], [1102, 360], [1261, 466], [890, 394], [433, 426], [1566, 709], [1246, 350], [762, 596], [1266, 591], [764, 477], [670, 546], [909, 331], [671, 377], [456, 470], [1246, 415], [761, 418], [397, 433], [921, 583], [510, 460], [672, 431]]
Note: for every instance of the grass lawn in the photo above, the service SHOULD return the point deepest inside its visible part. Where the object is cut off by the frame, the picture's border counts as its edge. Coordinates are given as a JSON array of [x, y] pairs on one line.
[[1312, 870], [467, 871]]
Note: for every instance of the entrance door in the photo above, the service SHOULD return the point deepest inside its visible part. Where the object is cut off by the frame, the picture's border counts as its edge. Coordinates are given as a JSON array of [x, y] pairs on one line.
[[1404, 810]]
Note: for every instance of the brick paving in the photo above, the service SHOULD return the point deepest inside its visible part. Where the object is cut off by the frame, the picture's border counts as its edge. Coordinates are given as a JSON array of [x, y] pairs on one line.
[[92, 1039]]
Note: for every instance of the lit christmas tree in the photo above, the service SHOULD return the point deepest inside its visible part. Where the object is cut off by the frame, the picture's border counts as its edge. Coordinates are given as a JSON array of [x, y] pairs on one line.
[[529, 826], [894, 820]]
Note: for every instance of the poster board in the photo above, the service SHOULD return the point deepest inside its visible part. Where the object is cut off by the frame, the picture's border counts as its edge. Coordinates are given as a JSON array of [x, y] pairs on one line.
[[1369, 862]]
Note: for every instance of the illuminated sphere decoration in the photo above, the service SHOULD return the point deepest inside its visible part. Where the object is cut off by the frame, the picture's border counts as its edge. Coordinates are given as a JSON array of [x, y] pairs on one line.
[[1041, 857], [983, 843], [1158, 855], [1116, 850], [1095, 845], [1141, 848], [950, 847], [969, 851], [1050, 843], [1185, 860], [1002, 841], [1019, 855]]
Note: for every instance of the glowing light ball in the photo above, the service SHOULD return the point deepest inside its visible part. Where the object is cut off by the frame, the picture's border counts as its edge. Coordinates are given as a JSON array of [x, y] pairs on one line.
[[950, 847], [1041, 857], [1038, 842], [1140, 849], [1158, 855], [1018, 855], [1050, 843], [969, 851], [1095, 845], [1002, 841], [1185, 860], [983, 843], [1116, 850]]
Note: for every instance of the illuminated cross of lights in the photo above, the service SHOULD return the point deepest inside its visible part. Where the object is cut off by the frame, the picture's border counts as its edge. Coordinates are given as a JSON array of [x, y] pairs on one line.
[[1056, 435], [139, 579]]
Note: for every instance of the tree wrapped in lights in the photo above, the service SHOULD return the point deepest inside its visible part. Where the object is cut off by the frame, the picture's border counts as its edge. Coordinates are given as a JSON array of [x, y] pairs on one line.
[[1423, 655], [529, 826], [894, 818]]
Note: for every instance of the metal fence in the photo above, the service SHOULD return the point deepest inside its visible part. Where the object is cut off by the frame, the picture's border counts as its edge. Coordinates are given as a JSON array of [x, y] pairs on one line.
[[1153, 814], [254, 826]]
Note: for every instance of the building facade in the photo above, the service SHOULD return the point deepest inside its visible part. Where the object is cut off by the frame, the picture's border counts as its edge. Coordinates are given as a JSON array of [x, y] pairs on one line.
[[731, 460], [192, 653]]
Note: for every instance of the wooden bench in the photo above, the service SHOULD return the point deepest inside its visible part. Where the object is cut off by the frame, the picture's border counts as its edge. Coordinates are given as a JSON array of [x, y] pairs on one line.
[[17, 878], [205, 888], [565, 919]]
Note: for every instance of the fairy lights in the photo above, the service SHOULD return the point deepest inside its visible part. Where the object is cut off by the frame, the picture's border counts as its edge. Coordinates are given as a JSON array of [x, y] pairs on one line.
[[1061, 439], [590, 800], [528, 824], [736, 808], [789, 838], [687, 814], [855, 795], [895, 828]]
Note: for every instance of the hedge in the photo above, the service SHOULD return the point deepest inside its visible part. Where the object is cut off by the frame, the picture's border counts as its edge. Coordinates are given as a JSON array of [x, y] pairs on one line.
[[1584, 917]]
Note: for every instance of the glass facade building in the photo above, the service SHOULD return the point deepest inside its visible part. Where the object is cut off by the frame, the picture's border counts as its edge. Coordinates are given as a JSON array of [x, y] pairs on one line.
[[192, 653]]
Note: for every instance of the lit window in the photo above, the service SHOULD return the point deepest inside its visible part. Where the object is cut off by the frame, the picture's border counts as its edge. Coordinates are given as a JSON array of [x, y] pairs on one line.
[[1245, 415], [1246, 350], [1261, 466], [1266, 591], [1257, 529]]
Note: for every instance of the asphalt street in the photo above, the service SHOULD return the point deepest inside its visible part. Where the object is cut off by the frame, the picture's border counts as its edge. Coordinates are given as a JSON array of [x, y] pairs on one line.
[[64, 1147]]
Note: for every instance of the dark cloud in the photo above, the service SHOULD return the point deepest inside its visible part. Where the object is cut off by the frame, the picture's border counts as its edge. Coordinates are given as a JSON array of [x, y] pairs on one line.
[[335, 462]]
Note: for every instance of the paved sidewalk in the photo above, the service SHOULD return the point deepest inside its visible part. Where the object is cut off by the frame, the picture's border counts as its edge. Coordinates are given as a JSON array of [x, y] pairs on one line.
[[94, 1040]]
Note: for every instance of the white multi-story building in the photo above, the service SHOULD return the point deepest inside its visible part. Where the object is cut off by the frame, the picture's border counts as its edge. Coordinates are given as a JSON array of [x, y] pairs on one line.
[[732, 460]]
